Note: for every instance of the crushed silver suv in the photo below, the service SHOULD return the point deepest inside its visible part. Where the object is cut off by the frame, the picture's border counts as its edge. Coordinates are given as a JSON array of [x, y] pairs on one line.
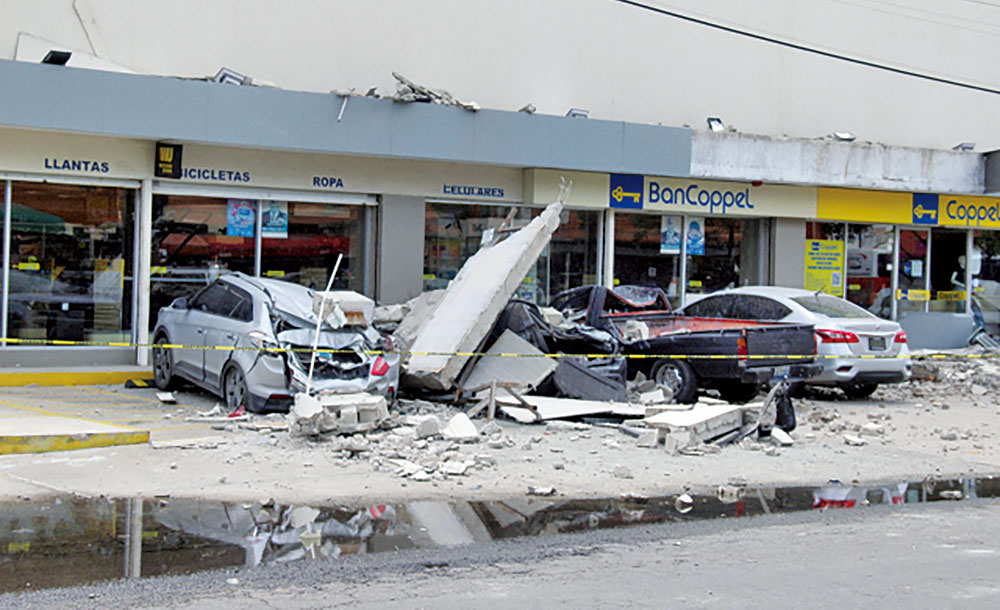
[[250, 340]]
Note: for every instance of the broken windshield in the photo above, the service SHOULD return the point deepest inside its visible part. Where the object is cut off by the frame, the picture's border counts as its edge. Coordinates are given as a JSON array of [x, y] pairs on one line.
[[831, 307]]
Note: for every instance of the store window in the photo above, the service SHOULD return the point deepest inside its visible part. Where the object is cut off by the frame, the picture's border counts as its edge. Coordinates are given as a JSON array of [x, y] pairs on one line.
[[453, 233], [947, 272], [869, 267], [300, 243], [647, 252], [985, 271], [913, 276], [713, 249], [196, 239], [71, 262]]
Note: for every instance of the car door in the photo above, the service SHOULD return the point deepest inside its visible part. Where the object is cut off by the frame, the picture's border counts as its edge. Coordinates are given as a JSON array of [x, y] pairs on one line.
[[234, 322], [190, 328]]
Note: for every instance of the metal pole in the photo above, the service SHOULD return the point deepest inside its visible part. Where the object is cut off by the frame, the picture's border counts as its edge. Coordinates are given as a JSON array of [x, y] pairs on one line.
[[894, 312], [6, 258], [684, 261], [258, 239], [968, 270], [608, 275], [319, 322], [142, 271], [600, 249], [133, 539]]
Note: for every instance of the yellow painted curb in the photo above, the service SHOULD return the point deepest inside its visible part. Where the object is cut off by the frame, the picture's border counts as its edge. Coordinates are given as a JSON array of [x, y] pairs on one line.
[[42, 443], [71, 378]]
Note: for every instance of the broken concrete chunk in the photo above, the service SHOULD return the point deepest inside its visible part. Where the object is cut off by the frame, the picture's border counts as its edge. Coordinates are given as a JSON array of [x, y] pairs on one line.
[[855, 441], [528, 370], [541, 491], [460, 428], [654, 397], [648, 439], [428, 427], [684, 503], [166, 397], [621, 472], [343, 307], [781, 438], [336, 413], [949, 436]]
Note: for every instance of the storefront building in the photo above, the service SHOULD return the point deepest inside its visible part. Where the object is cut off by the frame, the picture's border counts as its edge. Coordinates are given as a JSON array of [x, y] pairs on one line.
[[116, 202]]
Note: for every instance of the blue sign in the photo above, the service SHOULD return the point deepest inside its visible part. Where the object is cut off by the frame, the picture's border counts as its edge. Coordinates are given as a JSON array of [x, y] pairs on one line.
[[626, 191], [240, 218], [925, 209]]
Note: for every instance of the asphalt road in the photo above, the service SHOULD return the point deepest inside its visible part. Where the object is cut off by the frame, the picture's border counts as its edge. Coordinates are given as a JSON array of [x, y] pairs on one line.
[[918, 556]]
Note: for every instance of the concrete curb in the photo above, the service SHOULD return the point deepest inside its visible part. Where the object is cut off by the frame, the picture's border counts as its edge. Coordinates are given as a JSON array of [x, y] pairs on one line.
[[52, 378], [42, 443]]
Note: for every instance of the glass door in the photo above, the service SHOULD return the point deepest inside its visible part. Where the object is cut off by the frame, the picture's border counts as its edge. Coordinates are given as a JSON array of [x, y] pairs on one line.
[[912, 277]]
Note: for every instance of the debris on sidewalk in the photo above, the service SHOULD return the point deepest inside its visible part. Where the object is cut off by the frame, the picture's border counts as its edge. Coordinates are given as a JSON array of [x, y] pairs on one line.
[[549, 407], [166, 397], [336, 413]]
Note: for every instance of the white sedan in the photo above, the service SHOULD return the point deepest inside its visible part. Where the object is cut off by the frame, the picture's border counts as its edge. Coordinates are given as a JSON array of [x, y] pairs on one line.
[[858, 350]]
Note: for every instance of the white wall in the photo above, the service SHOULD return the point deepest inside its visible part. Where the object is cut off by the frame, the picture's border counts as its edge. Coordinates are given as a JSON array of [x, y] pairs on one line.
[[620, 62]]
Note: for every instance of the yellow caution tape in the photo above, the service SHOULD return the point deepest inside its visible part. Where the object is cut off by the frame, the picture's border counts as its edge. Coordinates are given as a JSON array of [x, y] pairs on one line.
[[278, 350]]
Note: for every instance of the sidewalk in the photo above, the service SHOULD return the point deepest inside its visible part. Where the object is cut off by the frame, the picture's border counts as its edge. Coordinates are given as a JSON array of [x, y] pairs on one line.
[[36, 419]]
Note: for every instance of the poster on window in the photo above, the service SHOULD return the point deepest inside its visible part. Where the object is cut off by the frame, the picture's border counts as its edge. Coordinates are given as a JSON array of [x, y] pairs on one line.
[[274, 219], [825, 266], [240, 218], [696, 236], [670, 234]]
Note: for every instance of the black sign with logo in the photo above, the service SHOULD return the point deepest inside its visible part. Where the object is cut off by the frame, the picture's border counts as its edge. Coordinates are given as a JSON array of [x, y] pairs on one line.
[[167, 163]]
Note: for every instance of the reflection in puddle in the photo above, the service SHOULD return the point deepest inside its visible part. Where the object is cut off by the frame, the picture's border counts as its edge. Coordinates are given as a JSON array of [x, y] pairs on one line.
[[70, 541]]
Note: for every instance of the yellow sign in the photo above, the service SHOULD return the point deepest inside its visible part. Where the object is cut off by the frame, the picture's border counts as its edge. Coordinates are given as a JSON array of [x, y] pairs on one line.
[[825, 266], [274, 273], [158, 270], [907, 294], [694, 283], [958, 211], [950, 295], [856, 205], [28, 267]]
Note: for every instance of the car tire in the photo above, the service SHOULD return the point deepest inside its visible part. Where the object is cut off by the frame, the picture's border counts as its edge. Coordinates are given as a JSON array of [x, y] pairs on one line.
[[163, 365], [859, 391], [679, 377], [738, 393], [234, 389]]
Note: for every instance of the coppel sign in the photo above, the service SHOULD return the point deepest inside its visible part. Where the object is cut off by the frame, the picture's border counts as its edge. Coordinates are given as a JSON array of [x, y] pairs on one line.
[[680, 196], [969, 211]]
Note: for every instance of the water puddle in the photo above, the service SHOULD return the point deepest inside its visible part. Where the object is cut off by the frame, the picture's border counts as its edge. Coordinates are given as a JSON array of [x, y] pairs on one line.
[[70, 541]]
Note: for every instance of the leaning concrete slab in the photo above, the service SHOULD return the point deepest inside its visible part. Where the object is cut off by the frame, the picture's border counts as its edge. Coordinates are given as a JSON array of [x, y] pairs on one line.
[[528, 369], [473, 300]]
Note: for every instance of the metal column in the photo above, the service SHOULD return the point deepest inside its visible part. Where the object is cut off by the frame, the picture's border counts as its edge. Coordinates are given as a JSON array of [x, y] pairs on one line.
[[142, 271], [608, 273], [6, 258]]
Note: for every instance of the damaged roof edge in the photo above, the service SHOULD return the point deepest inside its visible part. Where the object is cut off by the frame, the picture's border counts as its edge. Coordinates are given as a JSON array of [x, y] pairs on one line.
[[156, 107]]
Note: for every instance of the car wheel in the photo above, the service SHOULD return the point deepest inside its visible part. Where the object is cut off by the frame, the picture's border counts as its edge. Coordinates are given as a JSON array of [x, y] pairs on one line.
[[679, 377], [163, 365], [234, 388], [739, 393], [858, 391]]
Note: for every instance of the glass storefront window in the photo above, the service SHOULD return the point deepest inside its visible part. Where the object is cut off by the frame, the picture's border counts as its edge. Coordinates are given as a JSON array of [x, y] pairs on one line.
[[453, 233], [196, 239], [913, 268], [306, 250], [713, 248], [869, 267], [947, 273], [985, 269], [71, 262], [647, 252]]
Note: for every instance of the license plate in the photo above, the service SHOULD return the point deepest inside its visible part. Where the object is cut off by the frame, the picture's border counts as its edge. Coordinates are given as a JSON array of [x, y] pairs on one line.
[[876, 343], [782, 371]]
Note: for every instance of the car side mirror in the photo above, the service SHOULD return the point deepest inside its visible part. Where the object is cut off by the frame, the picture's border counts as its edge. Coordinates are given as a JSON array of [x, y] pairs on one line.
[[180, 303]]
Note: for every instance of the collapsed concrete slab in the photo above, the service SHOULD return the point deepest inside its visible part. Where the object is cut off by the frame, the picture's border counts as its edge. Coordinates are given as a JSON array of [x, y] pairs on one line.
[[473, 300], [528, 370], [336, 413]]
